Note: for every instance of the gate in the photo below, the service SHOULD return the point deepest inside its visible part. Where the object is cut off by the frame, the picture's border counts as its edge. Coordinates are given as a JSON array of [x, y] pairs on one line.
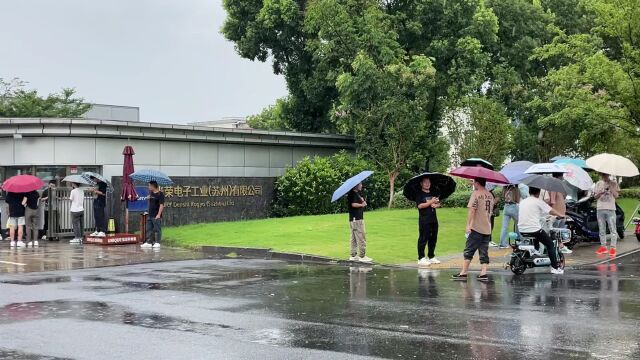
[[59, 213]]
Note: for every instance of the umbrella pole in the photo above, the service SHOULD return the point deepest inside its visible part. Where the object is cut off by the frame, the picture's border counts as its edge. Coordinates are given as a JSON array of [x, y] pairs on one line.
[[126, 217]]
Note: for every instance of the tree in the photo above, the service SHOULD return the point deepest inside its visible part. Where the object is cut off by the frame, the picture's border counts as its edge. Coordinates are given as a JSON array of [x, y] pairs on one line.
[[272, 117], [480, 129], [384, 105], [15, 101]]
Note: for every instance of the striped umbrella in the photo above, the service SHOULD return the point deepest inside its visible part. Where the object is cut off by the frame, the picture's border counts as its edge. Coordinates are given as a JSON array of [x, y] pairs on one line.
[[147, 175], [87, 175], [128, 190]]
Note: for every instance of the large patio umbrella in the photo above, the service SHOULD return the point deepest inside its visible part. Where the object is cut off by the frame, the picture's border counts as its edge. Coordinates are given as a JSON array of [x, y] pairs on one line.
[[477, 162], [350, 184], [22, 184], [475, 172], [613, 165], [128, 190], [441, 184]]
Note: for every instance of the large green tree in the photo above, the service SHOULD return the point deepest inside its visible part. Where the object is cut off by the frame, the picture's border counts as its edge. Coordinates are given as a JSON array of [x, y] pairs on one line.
[[16, 101]]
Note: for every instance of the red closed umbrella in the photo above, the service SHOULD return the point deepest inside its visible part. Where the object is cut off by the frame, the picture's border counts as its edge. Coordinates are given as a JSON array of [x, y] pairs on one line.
[[475, 172], [22, 184], [128, 190]]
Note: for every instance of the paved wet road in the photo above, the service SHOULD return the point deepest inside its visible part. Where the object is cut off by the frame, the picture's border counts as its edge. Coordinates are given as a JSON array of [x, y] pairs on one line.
[[249, 309]]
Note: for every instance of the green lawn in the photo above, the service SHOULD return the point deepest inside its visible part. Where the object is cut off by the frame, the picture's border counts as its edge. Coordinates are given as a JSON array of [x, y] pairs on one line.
[[391, 234]]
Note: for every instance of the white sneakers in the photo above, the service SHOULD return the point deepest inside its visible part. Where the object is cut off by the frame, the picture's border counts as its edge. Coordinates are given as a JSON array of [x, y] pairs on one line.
[[95, 233], [21, 244], [366, 259], [557, 271], [12, 244], [354, 258], [101, 234], [44, 237], [32, 243], [146, 246], [156, 246], [492, 244], [427, 262]]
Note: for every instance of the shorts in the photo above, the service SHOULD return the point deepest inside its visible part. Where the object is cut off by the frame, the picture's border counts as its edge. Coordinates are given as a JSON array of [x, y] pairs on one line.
[[477, 242], [15, 222]]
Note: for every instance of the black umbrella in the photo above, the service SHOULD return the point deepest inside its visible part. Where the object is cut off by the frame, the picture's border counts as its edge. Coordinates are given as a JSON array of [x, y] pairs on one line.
[[546, 183], [441, 185], [477, 162]]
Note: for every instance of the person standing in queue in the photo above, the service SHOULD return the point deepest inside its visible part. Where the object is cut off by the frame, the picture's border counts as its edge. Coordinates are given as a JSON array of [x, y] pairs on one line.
[[606, 192], [558, 203], [30, 202], [16, 220], [154, 217], [356, 204], [45, 200], [99, 203], [77, 213], [427, 203], [511, 196], [478, 231]]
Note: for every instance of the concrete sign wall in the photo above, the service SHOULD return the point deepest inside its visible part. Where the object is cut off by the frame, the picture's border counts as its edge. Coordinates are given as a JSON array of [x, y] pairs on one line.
[[208, 199]]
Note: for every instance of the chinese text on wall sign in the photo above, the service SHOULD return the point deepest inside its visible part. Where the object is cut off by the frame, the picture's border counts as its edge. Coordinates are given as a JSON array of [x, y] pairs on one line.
[[212, 191]]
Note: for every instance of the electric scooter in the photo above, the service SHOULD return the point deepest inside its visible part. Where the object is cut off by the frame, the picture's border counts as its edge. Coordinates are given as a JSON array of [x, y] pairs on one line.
[[582, 220], [524, 255]]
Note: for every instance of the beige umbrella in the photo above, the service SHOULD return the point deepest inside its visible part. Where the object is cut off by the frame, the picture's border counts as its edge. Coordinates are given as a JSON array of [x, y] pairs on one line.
[[613, 165]]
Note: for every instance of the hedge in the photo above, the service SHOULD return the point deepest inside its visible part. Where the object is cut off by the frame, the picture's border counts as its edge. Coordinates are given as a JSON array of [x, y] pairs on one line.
[[306, 189], [631, 193]]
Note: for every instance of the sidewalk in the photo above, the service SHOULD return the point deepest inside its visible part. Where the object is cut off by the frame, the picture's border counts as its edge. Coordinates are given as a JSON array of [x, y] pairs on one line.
[[51, 256], [583, 254]]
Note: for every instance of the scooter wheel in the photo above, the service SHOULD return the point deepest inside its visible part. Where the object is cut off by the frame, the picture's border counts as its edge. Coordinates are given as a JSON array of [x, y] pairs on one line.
[[517, 265], [561, 261]]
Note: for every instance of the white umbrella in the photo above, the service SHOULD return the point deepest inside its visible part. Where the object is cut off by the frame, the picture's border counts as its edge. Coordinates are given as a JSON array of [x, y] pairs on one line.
[[577, 177], [545, 168], [77, 179], [613, 165]]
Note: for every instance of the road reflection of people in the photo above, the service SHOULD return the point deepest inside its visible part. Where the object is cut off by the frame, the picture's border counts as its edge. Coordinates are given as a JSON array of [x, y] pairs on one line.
[[356, 308]]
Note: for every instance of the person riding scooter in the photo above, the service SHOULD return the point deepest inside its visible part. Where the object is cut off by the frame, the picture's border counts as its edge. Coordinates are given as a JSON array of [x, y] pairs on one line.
[[532, 211]]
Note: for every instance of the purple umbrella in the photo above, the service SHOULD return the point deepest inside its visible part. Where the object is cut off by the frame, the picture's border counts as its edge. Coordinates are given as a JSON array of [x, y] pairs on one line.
[[515, 171], [128, 190]]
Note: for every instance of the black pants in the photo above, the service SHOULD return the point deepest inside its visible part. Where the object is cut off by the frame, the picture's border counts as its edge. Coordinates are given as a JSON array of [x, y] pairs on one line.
[[428, 236], [44, 229], [100, 218], [543, 237], [477, 242]]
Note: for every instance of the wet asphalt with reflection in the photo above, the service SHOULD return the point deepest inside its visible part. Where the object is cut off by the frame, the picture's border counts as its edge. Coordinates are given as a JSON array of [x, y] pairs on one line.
[[248, 309]]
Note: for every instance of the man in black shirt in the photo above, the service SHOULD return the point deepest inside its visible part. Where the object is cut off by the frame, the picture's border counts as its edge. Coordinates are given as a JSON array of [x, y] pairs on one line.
[[16, 217], [356, 204], [154, 216], [45, 200], [99, 203], [427, 202]]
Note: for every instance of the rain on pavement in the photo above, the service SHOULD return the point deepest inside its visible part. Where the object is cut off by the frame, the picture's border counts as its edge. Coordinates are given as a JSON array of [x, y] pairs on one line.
[[247, 309]]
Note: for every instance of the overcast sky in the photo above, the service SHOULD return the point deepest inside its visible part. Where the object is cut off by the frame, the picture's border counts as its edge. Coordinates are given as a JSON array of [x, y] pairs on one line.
[[165, 56]]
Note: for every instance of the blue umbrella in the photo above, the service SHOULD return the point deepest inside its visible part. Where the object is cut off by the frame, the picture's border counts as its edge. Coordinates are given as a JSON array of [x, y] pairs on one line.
[[147, 175], [577, 162], [515, 171], [350, 184]]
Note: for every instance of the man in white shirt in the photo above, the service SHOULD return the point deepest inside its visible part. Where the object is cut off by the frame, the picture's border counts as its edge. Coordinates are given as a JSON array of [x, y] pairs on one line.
[[532, 211], [77, 213]]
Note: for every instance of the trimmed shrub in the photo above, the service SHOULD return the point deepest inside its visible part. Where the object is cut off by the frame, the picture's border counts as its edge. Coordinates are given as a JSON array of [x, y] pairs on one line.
[[306, 189], [631, 193]]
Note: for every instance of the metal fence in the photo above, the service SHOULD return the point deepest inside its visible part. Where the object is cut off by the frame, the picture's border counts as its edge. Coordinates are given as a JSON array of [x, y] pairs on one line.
[[59, 212]]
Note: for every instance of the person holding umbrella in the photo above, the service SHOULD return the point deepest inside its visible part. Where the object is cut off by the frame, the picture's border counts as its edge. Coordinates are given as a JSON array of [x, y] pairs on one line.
[[355, 204], [427, 190], [154, 217], [30, 202], [77, 213], [606, 192], [478, 229], [17, 218], [99, 203]]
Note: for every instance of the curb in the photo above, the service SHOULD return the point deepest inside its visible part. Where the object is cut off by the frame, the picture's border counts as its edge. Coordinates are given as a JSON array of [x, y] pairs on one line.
[[267, 254]]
